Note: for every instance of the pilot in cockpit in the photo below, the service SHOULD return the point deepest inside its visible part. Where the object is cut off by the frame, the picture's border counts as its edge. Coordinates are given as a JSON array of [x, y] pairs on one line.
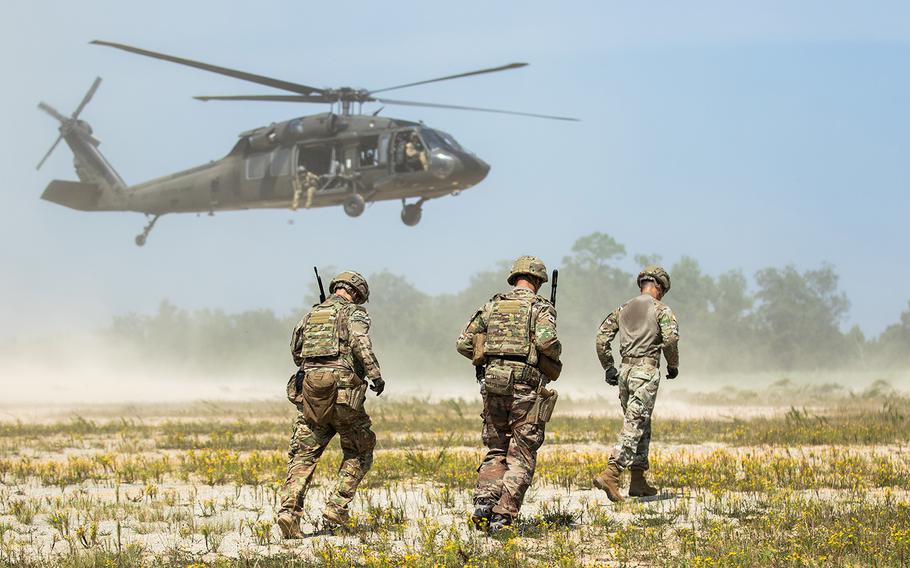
[[415, 154]]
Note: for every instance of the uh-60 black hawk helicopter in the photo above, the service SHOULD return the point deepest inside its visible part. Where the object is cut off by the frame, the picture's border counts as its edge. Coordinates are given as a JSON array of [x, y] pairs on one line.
[[334, 158]]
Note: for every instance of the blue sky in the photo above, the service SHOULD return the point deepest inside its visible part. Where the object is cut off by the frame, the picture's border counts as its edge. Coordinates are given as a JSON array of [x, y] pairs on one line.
[[746, 135]]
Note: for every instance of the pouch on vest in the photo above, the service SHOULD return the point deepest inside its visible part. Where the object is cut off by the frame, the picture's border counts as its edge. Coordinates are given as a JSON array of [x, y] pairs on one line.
[[320, 333], [295, 388], [498, 380], [320, 391], [509, 329]]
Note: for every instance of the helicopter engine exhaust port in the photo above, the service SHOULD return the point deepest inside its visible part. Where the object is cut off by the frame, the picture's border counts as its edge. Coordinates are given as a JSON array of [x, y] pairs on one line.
[[354, 205], [410, 214]]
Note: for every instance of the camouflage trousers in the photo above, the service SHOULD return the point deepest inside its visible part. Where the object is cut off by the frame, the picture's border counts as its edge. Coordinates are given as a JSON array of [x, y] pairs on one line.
[[512, 442], [309, 442], [637, 393]]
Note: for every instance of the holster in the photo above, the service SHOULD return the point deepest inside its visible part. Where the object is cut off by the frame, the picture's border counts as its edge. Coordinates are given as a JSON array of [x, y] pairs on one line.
[[542, 409]]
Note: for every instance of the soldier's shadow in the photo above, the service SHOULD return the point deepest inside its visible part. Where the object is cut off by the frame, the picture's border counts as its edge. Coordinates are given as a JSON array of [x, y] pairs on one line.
[[662, 496], [321, 532]]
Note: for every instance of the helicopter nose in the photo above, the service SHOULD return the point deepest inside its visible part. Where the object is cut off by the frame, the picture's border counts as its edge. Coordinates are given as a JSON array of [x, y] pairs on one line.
[[474, 170]]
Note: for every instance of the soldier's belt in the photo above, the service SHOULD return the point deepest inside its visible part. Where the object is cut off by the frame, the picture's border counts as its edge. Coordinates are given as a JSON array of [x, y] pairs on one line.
[[311, 365], [529, 376], [513, 358], [637, 360]]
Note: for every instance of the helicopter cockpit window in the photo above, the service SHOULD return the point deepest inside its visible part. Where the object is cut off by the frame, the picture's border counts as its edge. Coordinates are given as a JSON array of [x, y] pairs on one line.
[[436, 139], [410, 152], [449, 140], [434, 142]]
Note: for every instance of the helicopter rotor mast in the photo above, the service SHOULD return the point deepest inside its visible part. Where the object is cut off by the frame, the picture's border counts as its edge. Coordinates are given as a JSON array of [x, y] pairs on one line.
[[345, 96]]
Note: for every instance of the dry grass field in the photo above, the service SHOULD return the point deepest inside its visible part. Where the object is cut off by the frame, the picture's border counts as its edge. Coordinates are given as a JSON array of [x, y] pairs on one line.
[[824, 481]]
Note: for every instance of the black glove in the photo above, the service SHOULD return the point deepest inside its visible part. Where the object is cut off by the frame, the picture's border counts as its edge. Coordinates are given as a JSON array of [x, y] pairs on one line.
[[611, 375], [672, 372], [377, 386]]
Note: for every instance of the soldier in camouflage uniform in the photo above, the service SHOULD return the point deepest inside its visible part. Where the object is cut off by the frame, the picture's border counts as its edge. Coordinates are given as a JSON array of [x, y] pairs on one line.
[[304, 179], [331, 345], [646, 326], [517, 329]]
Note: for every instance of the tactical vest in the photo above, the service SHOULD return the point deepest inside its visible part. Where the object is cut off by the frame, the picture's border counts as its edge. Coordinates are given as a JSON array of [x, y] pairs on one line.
[[639, 330], [321, 334], [509, 328]]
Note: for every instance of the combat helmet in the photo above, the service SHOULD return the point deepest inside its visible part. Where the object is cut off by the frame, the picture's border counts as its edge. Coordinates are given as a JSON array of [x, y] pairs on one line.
[[656, 274], [355, 280], [528, 265]]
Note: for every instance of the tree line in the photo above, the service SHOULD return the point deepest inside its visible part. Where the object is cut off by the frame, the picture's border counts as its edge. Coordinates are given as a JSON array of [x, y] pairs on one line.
[[789, 320]]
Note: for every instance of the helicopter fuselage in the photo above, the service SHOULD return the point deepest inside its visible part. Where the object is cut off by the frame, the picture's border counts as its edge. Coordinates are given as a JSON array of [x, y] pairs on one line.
[[355, 154]]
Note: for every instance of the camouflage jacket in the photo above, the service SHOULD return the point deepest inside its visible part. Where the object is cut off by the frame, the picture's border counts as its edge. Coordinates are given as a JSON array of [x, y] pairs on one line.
[[355, 348], [545, 339], [645, 326]]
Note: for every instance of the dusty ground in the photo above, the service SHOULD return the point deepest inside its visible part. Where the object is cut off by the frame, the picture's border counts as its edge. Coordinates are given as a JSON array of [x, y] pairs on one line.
[[178, 482]]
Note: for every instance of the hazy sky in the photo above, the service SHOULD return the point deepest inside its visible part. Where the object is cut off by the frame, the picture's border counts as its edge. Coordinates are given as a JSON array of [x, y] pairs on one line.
[[744, 134]]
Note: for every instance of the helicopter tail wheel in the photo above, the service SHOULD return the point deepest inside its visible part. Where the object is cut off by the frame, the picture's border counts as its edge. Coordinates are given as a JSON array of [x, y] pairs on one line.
[[354, 205], [141, 237], [410, 214]]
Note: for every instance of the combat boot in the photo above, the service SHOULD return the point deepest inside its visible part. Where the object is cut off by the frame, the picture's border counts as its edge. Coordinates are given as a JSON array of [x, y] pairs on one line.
[[483, 510], [289, 526], [638, 486], [335, 516], [499, 521], [608, 481]]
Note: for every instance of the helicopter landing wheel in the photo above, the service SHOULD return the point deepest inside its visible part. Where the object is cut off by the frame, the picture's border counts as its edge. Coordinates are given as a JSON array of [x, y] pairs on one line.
[[141, 237], [354, 205], [410, 214]]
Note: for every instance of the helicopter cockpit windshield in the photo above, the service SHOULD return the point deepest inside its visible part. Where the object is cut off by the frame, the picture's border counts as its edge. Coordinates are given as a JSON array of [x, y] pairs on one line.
[[439, 140]]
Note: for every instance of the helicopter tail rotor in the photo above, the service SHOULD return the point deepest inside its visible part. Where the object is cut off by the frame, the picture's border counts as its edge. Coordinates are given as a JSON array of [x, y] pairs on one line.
[[92, 168], [68, 123]]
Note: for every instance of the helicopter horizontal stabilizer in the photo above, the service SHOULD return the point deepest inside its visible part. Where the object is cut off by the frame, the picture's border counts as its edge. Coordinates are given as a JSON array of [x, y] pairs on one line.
[[73, 194]]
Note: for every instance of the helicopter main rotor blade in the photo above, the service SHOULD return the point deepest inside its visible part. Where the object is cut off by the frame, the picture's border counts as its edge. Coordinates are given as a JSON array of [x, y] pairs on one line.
[[242, 75], [458, 76], [49, 152], [269, 98], [87, 98], [477, 109], [52, 111]]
